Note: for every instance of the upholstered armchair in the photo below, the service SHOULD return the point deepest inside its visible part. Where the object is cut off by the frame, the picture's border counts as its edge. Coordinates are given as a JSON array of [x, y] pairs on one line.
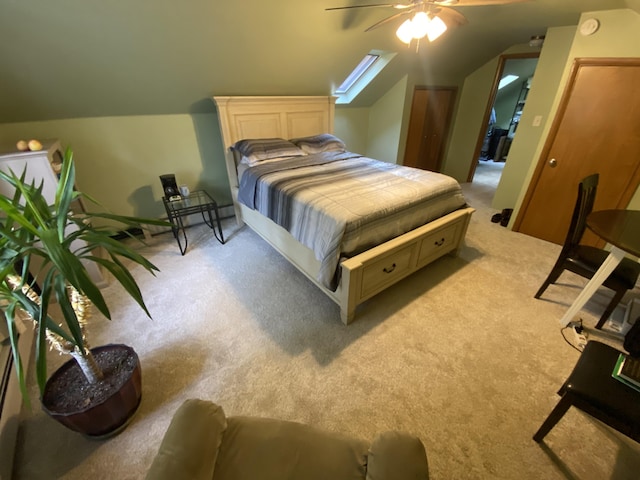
[[203, 443]]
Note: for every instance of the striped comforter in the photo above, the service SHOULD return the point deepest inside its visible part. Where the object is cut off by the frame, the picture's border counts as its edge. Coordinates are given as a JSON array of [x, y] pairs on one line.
[[340, 204]]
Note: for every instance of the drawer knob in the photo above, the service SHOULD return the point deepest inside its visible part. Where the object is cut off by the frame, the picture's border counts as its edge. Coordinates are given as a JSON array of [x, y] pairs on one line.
[[389, 269], [439, 243]]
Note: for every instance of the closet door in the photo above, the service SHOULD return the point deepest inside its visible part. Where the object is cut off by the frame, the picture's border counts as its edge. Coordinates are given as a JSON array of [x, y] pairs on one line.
[[431, 112], [595, 131]]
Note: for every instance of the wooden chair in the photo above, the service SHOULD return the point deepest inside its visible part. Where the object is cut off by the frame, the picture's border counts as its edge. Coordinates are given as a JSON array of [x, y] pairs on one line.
[[592, 389], [585, 260]]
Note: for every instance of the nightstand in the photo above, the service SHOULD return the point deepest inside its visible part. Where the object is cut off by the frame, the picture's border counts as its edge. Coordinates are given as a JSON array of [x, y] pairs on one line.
[[198, 201]]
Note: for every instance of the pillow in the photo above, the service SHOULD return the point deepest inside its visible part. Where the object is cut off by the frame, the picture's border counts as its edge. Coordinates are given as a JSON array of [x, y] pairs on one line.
[[325, 142], [253, 151]]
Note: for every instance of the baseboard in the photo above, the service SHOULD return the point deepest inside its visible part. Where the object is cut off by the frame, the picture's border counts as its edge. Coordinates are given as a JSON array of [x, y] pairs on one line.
[[128, 233]]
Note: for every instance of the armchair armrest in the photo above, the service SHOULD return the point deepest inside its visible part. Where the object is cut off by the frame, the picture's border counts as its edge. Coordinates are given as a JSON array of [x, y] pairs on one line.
[[397, 456], [190, 446]]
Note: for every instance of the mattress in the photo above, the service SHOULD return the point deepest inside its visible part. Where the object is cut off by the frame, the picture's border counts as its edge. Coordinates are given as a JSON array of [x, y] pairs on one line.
[[340, 204]]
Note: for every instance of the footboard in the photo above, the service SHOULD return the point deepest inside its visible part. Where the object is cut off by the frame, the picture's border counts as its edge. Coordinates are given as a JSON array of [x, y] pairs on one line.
[[369, 273]]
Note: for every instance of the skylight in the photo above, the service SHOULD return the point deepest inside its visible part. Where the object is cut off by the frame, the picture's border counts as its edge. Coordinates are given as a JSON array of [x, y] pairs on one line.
[[372, 64], [506, 80], [368, 60]]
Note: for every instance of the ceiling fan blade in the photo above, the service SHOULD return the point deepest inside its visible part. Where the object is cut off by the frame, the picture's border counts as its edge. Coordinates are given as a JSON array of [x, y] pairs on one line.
[[399, 6], [451, 17], [386, 20], [475, 3]]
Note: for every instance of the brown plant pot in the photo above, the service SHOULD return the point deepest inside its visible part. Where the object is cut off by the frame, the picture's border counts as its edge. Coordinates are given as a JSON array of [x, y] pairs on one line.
[[96, 410]]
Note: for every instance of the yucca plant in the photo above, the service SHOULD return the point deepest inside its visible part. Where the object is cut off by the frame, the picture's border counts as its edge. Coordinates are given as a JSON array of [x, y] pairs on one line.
[[34, 233]]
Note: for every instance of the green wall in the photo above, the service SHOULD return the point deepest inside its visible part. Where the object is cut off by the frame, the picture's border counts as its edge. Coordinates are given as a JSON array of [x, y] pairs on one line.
[[542, 94], [385, 122], [119, 159], [374, 131], [351, 125]]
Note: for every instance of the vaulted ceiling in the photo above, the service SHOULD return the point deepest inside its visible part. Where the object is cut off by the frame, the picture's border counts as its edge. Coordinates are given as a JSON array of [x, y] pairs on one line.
[[82, 58]]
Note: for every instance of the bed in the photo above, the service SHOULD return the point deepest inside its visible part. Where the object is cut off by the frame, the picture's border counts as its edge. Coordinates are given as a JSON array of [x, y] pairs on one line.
[[363, 270]]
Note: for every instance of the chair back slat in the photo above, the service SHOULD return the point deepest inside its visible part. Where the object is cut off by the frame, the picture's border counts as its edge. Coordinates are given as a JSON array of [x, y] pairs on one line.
[[584, 205]]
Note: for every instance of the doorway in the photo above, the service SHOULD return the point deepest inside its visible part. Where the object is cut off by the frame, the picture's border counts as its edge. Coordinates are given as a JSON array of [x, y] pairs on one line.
[[502, 116]]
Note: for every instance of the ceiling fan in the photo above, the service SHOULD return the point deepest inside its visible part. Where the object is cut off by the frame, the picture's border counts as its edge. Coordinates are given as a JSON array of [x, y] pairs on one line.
[[429, 18]]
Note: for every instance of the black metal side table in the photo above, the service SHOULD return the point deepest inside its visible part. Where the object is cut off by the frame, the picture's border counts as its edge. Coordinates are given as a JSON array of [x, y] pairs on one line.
[[198, 201]]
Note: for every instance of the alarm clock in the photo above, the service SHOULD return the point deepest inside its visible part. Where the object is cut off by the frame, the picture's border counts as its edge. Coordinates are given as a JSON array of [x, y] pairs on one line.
[[169, 186]]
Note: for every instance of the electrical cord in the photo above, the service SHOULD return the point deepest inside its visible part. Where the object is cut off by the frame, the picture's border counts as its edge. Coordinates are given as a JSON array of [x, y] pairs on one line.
[[578, 328]]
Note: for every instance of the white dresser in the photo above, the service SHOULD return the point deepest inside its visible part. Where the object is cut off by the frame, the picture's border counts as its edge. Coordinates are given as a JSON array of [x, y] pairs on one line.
[[43, 165]]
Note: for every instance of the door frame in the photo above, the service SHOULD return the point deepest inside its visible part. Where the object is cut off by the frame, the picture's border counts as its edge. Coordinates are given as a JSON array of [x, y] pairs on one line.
[[553, 132], [491, 100]]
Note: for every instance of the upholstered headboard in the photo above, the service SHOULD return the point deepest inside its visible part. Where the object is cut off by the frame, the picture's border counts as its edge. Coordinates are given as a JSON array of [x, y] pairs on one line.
[[270, 117]]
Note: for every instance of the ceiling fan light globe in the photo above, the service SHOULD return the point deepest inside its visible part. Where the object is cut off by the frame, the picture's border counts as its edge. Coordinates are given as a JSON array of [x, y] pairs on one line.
[[436, 28], [420, 24], [405, 32]]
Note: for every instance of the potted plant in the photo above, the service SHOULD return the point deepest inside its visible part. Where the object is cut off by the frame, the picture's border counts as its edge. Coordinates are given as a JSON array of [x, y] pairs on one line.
[[43, 252]]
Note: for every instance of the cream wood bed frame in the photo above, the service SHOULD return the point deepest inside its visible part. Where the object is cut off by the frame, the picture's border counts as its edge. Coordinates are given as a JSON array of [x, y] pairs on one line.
[[364, 275]]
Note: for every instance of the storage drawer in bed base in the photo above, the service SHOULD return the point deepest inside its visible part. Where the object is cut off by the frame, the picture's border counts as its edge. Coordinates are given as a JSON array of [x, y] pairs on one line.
[[369, 273]]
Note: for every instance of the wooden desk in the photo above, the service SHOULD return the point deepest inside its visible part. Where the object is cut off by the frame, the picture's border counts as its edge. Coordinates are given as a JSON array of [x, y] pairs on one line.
[[621, 228]]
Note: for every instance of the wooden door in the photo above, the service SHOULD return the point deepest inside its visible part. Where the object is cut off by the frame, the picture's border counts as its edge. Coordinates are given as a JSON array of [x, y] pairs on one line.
[[596, 130], [431, 111]]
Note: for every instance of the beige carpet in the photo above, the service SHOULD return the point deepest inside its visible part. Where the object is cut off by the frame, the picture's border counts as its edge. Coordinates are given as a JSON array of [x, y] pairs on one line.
[[460, 354]]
